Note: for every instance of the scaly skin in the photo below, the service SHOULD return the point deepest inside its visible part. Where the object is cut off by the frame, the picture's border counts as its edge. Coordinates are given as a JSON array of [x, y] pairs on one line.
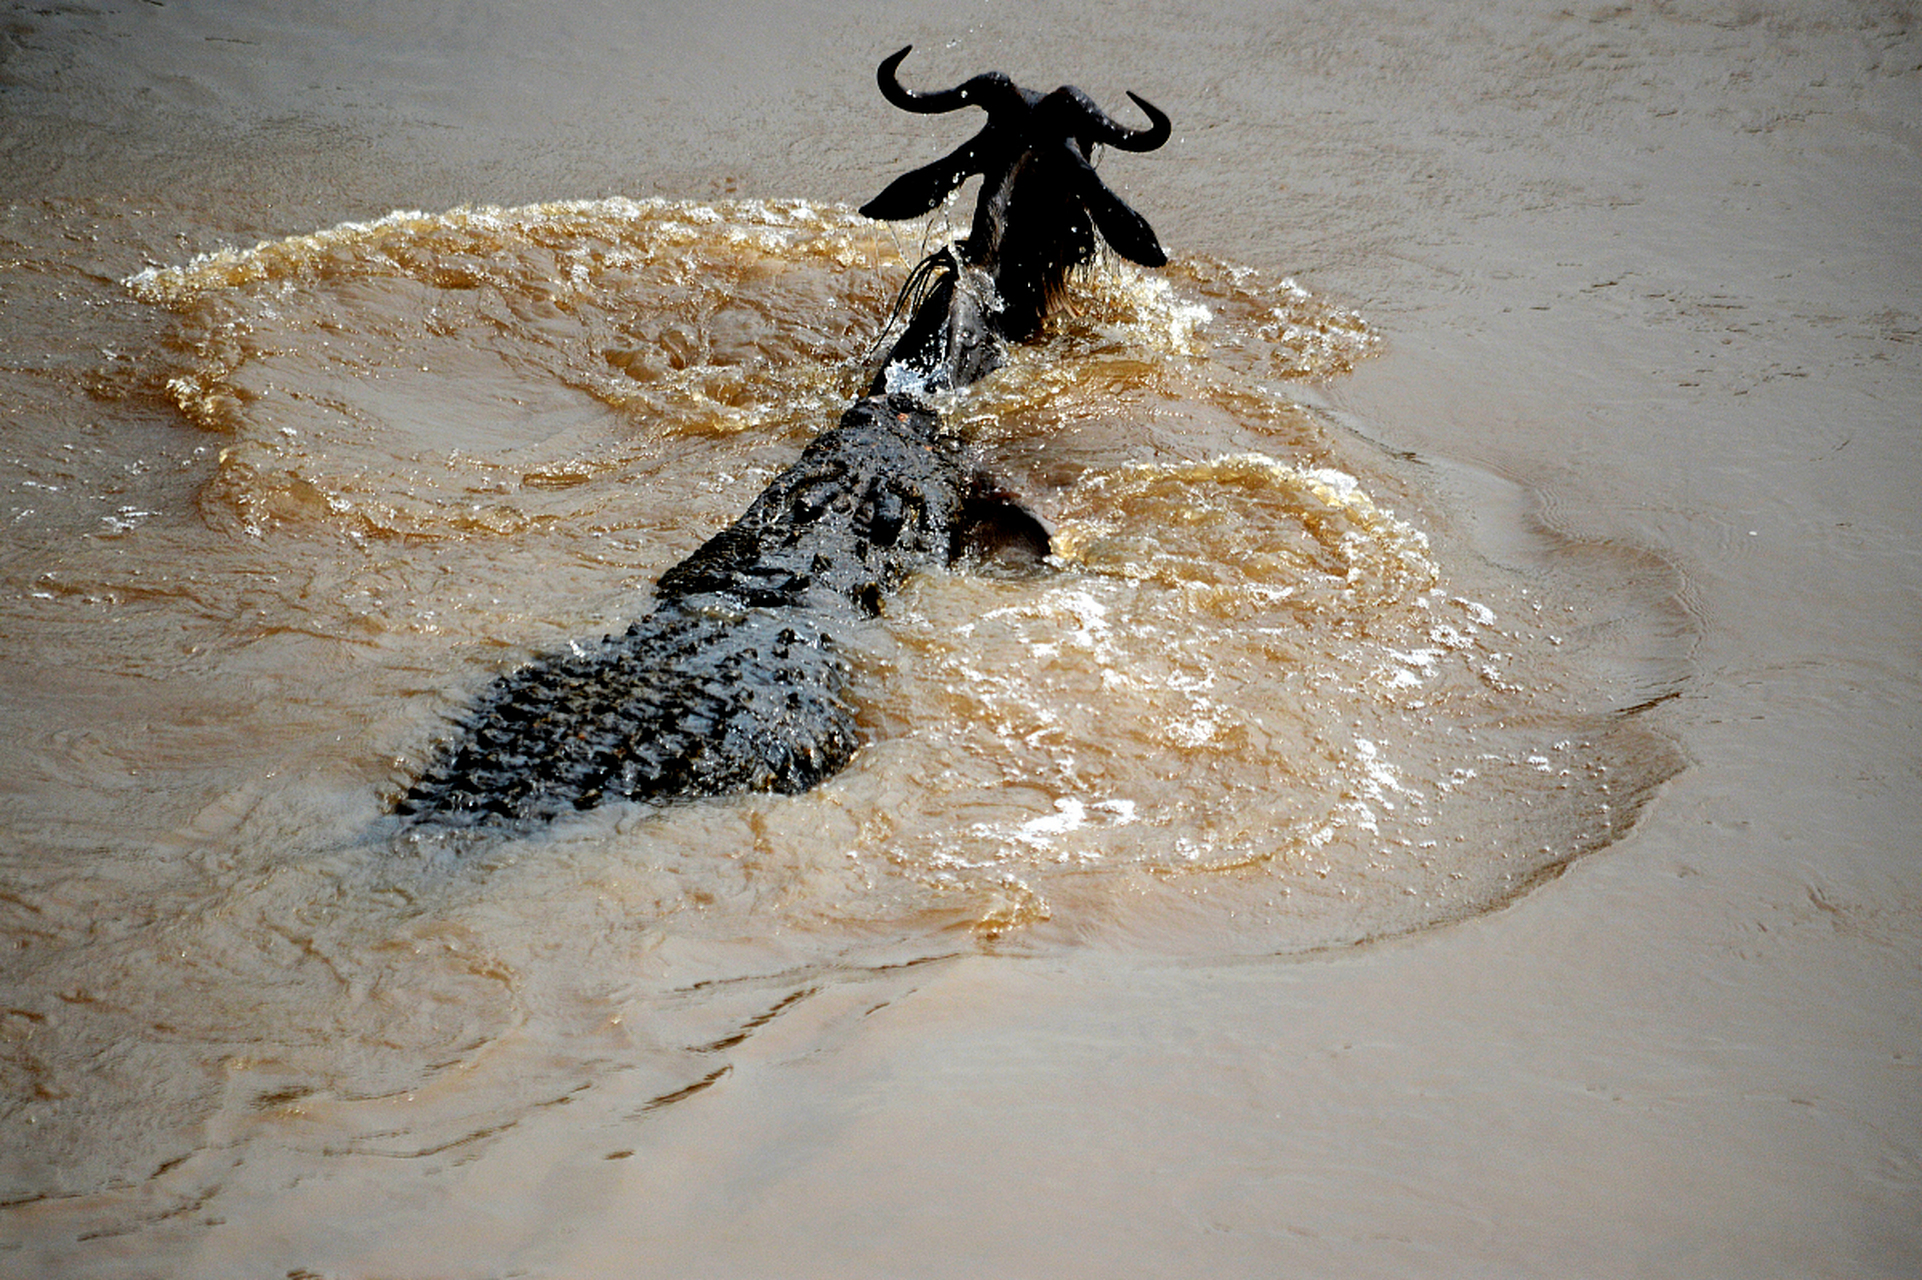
[[735, 682]]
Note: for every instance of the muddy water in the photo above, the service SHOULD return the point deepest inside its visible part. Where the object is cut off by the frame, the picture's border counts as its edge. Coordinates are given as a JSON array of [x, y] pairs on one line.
[[1063, 973], [1258, 703]]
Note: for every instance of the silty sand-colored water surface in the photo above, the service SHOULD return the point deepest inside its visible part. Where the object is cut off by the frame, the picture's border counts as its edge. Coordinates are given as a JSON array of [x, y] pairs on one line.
[[1389, 582]]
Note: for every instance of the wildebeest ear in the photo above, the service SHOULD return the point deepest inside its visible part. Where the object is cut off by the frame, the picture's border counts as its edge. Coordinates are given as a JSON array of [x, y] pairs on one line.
[[919, 191], [1126, 231]]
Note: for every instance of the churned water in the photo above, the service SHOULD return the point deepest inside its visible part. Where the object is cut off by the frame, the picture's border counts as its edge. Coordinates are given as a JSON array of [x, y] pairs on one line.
[[1260, 701], [1054, 980]]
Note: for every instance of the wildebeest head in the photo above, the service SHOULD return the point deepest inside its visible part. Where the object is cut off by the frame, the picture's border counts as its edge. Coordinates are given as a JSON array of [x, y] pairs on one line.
[[1041, 201]]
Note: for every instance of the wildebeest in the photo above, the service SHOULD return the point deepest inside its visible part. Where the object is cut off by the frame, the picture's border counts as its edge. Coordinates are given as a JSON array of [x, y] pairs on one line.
[[1041, 201], [736, 681]]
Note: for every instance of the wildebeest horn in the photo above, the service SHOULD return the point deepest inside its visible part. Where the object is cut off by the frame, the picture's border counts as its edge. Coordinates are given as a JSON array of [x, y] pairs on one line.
[[1103, 128], [1125, 139], [987, 91]]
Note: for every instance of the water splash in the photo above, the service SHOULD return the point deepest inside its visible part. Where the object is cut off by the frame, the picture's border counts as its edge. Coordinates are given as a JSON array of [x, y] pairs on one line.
[[1264, 700]]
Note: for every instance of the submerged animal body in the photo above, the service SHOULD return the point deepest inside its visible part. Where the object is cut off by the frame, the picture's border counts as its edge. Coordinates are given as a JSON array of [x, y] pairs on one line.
[[738, 680]]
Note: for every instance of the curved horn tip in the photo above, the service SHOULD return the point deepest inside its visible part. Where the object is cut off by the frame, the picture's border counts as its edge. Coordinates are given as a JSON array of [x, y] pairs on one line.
[[1160, 128], [885, 74], [1147, 108]]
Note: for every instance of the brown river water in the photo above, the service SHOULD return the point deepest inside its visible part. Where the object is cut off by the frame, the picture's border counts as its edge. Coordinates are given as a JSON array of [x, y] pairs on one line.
[[1444, 808]]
